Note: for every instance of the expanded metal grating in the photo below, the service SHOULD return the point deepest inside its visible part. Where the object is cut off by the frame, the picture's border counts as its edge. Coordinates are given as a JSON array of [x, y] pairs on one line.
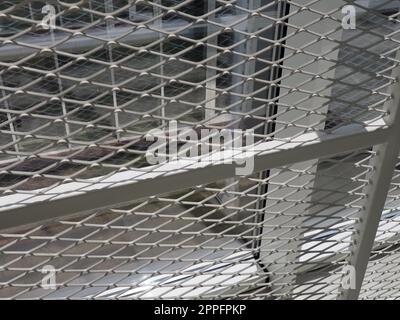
[[382, 276], [84, 83], [213, 241]]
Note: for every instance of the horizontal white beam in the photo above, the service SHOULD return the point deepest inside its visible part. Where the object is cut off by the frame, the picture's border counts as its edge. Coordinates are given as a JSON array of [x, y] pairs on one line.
[[124, 187]]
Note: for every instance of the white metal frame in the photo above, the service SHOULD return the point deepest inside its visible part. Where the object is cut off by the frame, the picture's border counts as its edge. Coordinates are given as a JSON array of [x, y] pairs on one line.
[[131, 185]]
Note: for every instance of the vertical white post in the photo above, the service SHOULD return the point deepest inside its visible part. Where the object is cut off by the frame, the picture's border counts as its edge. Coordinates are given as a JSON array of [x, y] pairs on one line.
[[157, 12], [376, 191], [60, 88], [91, 8], [211, 84], [109, 7], [132, 10], [280, 248], [9, 118], [251, 48], [59, 82]]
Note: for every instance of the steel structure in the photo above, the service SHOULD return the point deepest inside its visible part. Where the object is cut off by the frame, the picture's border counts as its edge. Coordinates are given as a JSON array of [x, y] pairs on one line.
[[84, 82]]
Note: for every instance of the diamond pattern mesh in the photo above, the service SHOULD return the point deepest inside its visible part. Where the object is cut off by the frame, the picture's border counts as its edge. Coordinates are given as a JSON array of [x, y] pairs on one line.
[[381, 279], [214, 241], [81, 90]]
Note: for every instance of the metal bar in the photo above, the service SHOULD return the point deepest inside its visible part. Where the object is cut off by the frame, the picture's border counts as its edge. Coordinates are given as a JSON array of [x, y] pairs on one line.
[[109, 8], [376, 192], [211, 64], [251, 49], [60, 88], [157, 12], [131, 10], [281, 262], [9, 118], [179, 176], [269, 127]]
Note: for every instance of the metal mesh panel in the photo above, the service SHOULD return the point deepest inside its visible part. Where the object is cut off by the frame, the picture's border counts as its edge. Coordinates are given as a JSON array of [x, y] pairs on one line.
[[82, 85], [208, 242], [78, 100], [381, 279]]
